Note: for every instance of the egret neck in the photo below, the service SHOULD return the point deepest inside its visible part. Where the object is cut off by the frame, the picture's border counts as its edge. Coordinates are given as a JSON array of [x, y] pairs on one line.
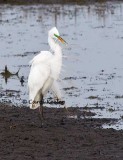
[[57, 51]]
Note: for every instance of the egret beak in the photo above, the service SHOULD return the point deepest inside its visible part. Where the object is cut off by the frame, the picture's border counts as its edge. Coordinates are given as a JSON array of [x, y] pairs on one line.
[[60, 39]]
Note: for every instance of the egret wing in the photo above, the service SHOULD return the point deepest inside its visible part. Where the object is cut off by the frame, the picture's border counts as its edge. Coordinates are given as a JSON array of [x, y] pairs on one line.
[[39, 75], [42, 57]]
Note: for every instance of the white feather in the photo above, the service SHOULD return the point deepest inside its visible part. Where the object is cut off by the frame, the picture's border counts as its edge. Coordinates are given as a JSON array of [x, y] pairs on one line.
[[45, 70]]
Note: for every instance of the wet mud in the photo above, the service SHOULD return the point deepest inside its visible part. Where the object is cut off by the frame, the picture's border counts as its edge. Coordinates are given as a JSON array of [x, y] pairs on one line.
[[17, 2], [60, 138]]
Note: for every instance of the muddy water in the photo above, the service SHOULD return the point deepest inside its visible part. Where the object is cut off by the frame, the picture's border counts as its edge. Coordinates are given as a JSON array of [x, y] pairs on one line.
[[92, 75]]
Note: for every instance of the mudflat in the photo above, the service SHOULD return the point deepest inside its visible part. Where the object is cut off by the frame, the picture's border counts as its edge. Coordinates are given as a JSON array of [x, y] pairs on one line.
[[62, 137]]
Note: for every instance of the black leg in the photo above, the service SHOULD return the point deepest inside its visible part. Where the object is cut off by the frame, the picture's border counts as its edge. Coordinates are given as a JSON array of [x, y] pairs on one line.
[[66, 110], [40, 116], [41, 112]]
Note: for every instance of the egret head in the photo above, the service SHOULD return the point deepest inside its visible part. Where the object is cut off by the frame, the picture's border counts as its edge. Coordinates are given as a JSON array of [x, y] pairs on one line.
[[54, 34]]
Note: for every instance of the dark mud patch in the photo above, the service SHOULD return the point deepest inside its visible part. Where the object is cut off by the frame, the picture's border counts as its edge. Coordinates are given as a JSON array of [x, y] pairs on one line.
[[94, 97], [74, 78], [118, 96], [54, 1], [60, 138], [79, 113], [26, 54], [92, 108], [69, 88]]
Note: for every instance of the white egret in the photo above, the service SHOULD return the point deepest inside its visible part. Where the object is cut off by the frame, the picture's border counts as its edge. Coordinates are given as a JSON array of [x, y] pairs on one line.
[[45, 70]]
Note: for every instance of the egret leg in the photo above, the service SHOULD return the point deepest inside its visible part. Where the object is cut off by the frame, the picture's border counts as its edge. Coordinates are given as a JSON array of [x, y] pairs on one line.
[[66, 110], [63, 103], [41, 113]]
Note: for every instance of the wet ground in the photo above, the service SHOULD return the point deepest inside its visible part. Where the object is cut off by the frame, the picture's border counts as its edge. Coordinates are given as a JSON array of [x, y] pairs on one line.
[[60, 138]]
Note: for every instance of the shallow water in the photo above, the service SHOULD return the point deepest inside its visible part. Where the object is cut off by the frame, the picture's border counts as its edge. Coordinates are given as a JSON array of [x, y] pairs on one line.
[[92, 65]]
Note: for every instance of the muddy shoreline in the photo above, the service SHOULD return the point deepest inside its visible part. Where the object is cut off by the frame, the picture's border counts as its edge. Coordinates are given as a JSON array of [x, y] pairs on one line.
[[60, 138]]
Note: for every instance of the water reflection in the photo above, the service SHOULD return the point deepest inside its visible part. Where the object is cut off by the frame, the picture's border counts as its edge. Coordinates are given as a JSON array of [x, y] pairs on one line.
[[22, 81], [7, 74], [40, 12]]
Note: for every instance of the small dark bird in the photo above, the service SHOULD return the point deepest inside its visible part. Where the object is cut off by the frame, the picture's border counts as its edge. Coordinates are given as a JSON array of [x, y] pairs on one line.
[[22, 80], [7, 74]]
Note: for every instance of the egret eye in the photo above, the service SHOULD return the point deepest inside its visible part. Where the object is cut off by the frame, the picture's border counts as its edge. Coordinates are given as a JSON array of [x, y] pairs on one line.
[[56, 35]]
